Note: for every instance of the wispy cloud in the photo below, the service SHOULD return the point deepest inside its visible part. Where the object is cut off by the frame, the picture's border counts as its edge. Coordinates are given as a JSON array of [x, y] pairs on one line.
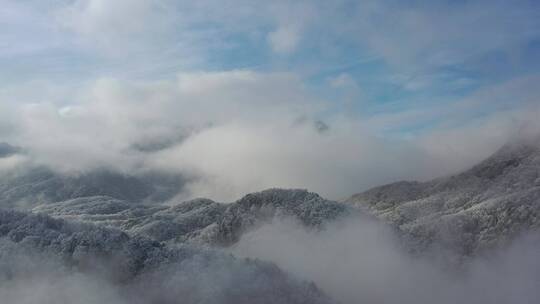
[[111, 81]]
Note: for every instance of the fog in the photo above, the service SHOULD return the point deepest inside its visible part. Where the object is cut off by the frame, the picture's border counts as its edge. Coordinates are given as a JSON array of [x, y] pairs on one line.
[[43, 260], [240, 131], [361, 261], [119, 102], [191, 281], [55, 287], [354, 260]]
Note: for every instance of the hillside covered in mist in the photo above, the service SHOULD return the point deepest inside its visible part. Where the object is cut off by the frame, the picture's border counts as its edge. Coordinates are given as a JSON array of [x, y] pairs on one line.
[[269, 152], [106, 236], [493, 202]]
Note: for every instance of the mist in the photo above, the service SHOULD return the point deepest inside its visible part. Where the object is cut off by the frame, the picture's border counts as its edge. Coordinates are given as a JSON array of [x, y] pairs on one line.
[[360, 260], [194, 280], [153, 152], [230, 133], [45, 260]]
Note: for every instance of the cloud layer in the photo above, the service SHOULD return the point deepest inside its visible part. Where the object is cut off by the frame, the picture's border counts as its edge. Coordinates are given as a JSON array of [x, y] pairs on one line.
[[361, 261], [242, 131], [334, 97]]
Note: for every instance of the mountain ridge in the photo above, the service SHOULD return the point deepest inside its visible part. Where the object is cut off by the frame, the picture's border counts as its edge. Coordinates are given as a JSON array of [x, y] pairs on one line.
[[490, 203], [200, 220], [142, 268]]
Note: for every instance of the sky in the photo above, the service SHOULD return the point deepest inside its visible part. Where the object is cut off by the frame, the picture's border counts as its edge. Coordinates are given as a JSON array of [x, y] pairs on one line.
[[333, 96]]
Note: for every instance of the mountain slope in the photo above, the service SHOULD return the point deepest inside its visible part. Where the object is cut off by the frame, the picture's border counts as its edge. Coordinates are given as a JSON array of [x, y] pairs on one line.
[[477, 209], [28, 187], [137, 269], [199, 220]]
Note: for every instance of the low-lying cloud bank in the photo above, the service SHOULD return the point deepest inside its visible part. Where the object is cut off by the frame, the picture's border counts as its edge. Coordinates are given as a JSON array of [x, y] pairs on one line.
[[362, 261], [45, 260], [241, 131], [209, 280]]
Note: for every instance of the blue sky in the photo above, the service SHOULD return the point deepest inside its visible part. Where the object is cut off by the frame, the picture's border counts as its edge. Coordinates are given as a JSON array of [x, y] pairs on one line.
[[409, 71], [397, 55]]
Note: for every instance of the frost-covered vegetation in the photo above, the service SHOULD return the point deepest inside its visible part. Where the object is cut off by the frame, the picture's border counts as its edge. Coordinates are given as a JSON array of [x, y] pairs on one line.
[[107, 237], [481, 208], [30, 186], [199, 220], [132, 269]]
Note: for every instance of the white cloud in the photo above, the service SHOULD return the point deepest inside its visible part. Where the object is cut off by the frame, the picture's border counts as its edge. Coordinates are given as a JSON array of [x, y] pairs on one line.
[[241, 131], [233, 159], [11, 162], [110, 115], [343, 80], [290, 21], [284, 40], [359, 260], [119, 26], [438, 34], [25, 28], [150, 36]]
